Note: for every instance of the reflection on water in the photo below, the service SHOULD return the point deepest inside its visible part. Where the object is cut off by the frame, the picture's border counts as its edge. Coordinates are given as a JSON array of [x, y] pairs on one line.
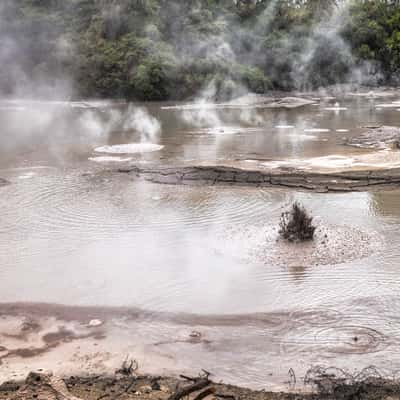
[[71, 236], [69, 132]]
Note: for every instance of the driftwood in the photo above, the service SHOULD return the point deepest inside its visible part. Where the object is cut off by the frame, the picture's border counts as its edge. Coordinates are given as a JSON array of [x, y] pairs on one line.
[[204, 394], [199, 383], [225, 396]]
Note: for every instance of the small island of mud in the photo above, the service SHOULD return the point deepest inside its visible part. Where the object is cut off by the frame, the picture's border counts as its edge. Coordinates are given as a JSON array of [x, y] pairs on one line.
[[377, 137], [331, 245]]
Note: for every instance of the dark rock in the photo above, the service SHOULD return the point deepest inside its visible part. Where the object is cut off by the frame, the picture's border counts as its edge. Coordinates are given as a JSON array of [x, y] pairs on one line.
[[4, 182], [9, 386]]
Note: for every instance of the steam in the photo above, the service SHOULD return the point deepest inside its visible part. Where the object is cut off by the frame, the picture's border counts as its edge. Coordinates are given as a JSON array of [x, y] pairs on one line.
[[34, 56], [139, 119], [204, 113], [39, 56], [65, 127]]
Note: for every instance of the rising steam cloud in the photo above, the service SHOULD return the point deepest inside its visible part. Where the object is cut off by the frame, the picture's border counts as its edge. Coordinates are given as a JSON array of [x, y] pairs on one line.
[[39, 56]]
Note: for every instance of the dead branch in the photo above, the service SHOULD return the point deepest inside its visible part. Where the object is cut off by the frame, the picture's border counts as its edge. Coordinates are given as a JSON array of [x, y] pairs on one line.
[[198, 384], [225, 396], [188, 378], [205, 393], [292, 377], [128, 367]]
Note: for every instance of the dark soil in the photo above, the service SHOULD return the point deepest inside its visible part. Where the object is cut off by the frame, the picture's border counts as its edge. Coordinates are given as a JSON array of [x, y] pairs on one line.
[[45, 387]]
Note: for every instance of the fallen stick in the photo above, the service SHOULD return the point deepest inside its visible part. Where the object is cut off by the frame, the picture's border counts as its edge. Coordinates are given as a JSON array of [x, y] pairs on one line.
[[199, 383], [225, 396], [205, 393]]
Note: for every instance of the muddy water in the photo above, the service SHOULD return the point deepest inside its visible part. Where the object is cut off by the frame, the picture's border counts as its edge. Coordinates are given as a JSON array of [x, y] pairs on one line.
[[191, 258]]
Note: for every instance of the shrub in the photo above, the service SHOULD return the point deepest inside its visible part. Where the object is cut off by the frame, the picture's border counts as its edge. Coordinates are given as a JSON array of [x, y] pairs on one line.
[[296, 225]]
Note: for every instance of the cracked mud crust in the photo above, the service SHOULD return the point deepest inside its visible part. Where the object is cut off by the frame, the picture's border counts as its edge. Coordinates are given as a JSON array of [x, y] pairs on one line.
[[338, 181]]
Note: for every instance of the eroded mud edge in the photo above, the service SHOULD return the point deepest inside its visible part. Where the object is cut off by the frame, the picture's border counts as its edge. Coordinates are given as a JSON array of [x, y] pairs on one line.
[[338, 181], [45, 386]]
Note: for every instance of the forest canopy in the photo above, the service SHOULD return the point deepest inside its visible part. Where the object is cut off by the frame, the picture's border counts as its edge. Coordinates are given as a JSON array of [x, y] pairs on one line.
[[159, 49]]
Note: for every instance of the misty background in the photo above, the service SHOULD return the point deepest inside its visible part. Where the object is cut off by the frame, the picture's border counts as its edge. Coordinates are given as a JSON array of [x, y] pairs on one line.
[[161, 50]]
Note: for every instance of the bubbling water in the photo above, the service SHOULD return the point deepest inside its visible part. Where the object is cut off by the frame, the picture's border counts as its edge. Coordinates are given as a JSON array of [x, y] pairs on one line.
[[130, 148]]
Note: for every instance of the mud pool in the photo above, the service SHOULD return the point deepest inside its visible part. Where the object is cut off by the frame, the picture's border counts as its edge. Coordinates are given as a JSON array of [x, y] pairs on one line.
[[190, 277]]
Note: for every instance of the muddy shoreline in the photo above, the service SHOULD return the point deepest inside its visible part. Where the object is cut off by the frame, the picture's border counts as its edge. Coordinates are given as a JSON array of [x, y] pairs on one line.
[[126, 384], [76, 340], [45, 386], [337, 181]]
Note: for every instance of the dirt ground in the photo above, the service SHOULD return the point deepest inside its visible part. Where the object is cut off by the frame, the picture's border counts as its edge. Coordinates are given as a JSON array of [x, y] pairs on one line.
[[41, 387], [44, 386]]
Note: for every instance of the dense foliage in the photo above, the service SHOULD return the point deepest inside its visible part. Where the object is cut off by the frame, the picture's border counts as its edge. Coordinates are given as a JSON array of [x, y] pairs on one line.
[[160, 49]]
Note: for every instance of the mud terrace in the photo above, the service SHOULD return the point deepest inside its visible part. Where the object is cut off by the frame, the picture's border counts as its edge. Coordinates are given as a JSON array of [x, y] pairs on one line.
[[377, 137], [335, 181]]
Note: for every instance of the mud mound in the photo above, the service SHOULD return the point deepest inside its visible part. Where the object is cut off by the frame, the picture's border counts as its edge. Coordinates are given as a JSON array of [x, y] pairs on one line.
[[377, 137], [332, 245], [290, 102]]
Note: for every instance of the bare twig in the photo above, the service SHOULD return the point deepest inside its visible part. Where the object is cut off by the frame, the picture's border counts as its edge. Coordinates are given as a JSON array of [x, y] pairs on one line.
[[292, 377], [128, 367], [225, 396], [198, 383], [205, 393]]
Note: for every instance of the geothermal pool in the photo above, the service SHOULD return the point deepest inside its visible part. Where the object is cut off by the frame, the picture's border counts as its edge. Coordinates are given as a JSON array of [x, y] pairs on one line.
[[190, 277]]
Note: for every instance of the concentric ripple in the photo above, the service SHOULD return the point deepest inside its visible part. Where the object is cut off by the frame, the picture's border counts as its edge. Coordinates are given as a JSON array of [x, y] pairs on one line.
[[350, 339], [336, 339]]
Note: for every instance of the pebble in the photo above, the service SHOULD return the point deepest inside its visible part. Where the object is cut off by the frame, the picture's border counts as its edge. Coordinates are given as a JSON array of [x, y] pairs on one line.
[[146, 389], [95, 322]]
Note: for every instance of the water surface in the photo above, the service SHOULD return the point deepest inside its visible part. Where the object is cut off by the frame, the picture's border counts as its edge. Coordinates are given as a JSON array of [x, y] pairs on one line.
[[74, 235]]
